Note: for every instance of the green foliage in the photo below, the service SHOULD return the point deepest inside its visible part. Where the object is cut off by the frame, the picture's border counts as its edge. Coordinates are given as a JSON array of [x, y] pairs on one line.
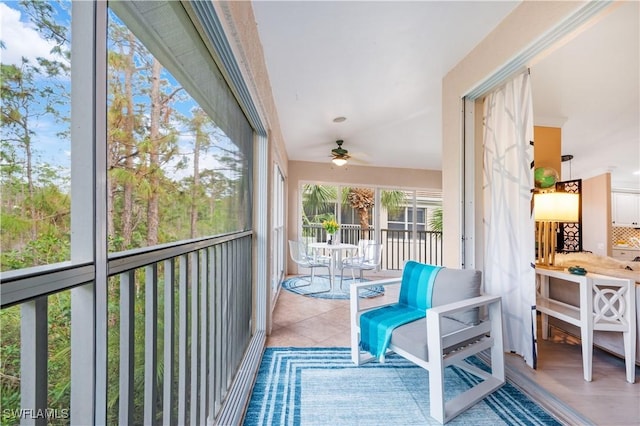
[[59, 316], [393, 200], [144, 168], [46, 249], [317, 202], [435, 221], [10, 362]]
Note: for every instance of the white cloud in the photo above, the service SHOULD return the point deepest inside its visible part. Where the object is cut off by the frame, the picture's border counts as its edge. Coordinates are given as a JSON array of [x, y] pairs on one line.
[[20, 38]]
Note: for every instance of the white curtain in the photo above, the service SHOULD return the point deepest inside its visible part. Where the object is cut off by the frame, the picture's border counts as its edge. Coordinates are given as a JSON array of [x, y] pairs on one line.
[[509, 227]]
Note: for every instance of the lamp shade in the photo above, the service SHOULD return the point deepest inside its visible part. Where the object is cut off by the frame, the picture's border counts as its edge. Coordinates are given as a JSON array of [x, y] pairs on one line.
[[556, 207], [339, 161]]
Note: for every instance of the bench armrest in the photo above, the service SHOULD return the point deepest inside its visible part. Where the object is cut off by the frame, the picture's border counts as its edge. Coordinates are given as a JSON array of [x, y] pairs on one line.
[[463, 305], [355, 300]]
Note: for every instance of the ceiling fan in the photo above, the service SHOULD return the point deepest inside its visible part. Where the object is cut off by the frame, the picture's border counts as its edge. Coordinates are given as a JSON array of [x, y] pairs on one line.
[[339, 154]]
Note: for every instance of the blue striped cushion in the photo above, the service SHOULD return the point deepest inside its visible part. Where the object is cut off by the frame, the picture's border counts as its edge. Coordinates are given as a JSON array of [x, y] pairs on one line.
[[416, 291]]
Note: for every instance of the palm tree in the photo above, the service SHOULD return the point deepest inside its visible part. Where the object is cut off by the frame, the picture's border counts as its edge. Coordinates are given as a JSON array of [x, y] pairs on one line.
[[435, 221], [316, 204], [362, 200]]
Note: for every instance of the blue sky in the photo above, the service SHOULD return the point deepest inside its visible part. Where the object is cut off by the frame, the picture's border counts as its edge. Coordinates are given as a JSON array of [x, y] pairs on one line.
[[22, 40]]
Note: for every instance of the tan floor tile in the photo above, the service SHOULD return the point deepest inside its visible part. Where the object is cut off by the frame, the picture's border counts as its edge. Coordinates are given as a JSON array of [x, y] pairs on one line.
[[286, 337], [315, 329]]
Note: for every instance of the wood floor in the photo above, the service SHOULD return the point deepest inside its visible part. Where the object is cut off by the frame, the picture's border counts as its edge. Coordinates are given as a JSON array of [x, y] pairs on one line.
[[608, 400]]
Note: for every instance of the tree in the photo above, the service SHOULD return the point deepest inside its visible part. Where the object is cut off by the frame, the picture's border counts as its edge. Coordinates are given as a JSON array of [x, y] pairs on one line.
[[123, 124], [317, 201], [200, 141], [155, 140], [141, 140], [362, 200], [31, 90]]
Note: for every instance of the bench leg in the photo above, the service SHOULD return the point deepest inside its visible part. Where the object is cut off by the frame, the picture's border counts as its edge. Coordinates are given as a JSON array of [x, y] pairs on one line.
[[629, 356], [587, 351]]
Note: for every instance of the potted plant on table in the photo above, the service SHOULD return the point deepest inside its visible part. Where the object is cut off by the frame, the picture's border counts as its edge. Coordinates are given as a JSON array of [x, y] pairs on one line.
[[331, 227]]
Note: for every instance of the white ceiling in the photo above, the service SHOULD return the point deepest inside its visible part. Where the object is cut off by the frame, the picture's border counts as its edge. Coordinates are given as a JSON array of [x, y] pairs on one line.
[[381, 64]]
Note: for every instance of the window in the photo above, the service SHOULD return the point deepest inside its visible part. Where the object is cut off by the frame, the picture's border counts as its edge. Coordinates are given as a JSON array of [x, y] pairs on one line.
[[35, 162], [403, 219], [174, 174]]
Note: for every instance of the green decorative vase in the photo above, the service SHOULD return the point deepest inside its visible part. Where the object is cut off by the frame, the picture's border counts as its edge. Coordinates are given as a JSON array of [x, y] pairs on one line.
[[545, 177]]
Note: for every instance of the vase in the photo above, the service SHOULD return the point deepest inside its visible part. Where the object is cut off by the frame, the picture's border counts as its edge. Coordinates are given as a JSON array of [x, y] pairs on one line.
[[329, 238]]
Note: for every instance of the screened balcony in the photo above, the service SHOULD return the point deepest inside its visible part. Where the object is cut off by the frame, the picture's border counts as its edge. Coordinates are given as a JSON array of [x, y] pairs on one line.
[[134, 245], [138, 278], [143, 217]]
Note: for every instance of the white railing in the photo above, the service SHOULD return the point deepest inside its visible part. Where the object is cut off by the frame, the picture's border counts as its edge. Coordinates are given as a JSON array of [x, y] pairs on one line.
[[178, 325], [399, 245]]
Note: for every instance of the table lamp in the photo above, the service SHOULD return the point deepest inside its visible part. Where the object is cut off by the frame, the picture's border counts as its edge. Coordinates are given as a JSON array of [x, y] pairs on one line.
[[551, 208]]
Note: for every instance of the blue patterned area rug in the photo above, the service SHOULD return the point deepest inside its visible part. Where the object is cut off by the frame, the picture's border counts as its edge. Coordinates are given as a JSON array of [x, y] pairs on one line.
[[321, 287], [321, 386]]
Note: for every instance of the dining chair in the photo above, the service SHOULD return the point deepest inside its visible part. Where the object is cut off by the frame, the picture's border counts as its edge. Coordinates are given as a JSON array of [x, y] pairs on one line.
[[367, 259], [301, 255], [362, 246]]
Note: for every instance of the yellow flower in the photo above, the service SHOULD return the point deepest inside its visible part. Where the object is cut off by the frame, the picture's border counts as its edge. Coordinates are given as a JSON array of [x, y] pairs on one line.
[[331, 226]]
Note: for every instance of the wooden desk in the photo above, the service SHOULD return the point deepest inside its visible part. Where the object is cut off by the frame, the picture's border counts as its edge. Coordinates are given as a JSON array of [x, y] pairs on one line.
[[614, 310]]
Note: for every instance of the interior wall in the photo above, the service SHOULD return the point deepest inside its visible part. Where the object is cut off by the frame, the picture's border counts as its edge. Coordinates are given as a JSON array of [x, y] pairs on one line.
[[547, 148], [527, 23], [327, 173], [596, 214]]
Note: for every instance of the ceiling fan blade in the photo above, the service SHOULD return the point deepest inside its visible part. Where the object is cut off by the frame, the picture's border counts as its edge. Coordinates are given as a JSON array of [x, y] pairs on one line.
[[336, 155]]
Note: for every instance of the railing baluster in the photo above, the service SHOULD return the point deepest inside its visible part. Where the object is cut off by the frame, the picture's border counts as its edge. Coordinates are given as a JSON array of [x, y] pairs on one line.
[[33, 359], [218, 314], [182, 340], [226, 319], [127, 346], [168, 418], [150, 344], [204, 344], [233, 292], [238, 301], [195, 285], [211, 360], [88, 307]]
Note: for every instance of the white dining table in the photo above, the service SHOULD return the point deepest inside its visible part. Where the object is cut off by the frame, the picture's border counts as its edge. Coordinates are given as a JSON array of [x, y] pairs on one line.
[[335, 251]]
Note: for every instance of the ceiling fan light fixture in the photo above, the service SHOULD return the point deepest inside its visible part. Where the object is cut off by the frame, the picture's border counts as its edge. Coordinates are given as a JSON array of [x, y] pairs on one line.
[[340, 155], [339, 161]]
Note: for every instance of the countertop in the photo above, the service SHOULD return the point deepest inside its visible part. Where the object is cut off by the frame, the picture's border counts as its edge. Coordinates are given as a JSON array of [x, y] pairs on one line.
[[616, 247]]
